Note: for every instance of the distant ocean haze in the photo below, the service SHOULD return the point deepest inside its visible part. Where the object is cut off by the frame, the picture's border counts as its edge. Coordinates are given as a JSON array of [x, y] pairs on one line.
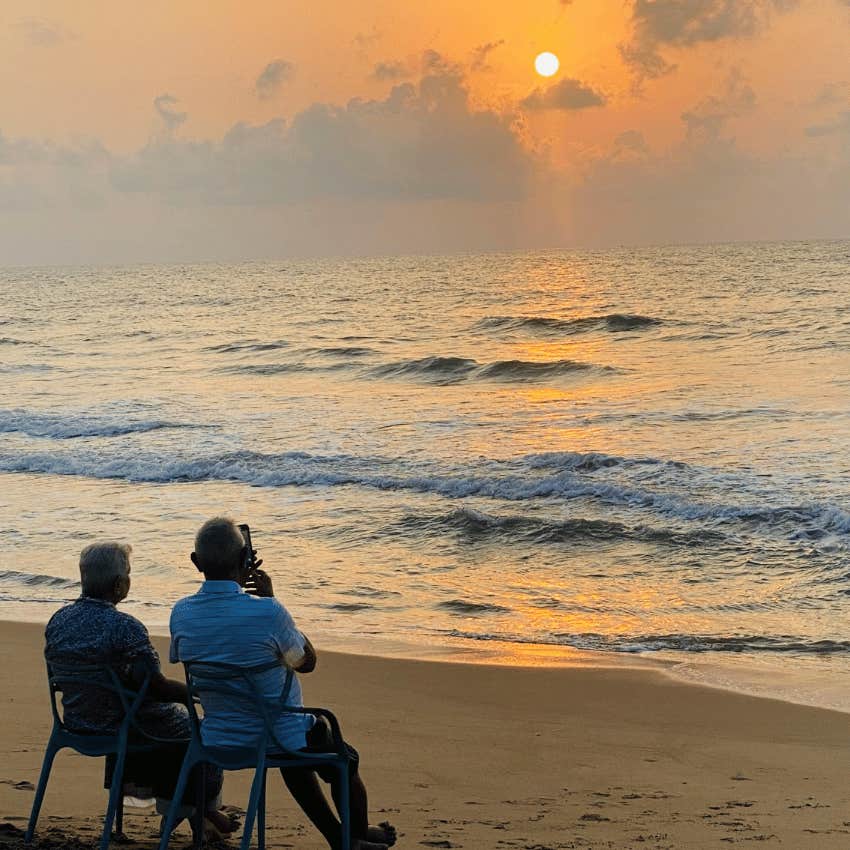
[[636, 451]]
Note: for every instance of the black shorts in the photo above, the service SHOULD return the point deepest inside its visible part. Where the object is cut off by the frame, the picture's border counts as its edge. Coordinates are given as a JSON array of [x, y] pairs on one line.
[[320, 740]]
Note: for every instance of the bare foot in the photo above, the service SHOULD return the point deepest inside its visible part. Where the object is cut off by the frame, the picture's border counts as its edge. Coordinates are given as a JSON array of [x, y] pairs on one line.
[[222, 823], [383, 833]]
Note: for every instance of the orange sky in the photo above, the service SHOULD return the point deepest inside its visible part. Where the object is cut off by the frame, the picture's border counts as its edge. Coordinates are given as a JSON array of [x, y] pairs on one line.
[[76, 71]]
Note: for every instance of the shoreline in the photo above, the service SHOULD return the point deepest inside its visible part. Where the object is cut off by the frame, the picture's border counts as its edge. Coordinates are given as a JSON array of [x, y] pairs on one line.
[[800, 684], [488, 757]]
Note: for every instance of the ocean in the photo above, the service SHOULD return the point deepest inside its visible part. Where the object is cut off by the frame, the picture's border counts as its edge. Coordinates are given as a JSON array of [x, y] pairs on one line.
[[638, 453]]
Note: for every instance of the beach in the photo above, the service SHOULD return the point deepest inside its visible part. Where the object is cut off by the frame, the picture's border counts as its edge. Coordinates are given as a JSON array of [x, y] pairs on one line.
[[492, 757]]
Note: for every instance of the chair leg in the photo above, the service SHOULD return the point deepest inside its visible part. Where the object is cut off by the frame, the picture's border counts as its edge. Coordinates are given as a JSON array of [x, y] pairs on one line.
[[261, 815], [46, 765], [200, 807], [345, 807], [170, 820], [119, 813], [253, 801], [114, 795]]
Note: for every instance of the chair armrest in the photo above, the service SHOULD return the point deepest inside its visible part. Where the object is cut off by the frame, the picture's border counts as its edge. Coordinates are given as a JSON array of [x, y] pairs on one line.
[[336, 732]]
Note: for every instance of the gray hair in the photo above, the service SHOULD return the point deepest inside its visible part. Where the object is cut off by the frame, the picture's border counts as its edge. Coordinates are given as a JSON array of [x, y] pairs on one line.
[[101, 564], [218, 545]]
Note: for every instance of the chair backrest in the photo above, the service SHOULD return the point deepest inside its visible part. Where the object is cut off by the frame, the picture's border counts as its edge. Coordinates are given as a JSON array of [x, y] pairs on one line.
[[240, 685], [63, 677]]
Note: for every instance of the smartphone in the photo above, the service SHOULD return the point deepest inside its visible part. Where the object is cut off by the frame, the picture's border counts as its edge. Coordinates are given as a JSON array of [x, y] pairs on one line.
[[250, 565]]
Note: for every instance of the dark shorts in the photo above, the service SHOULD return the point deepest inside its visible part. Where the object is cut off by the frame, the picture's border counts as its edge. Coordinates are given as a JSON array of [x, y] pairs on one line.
[[320, 740], [158, 770]]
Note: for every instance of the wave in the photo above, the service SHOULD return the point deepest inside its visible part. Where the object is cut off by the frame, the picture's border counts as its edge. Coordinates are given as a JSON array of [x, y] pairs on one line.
[[34, 580], [64, 427], [510, 481], [549, 326], [342, 351], [448, 370], [248, 346], [462, 606], [7, 340], [473, 526], [632, 644], [293, 368]]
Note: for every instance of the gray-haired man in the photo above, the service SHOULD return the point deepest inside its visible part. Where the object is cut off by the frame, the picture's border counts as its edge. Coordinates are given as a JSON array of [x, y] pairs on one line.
[[93, 631]]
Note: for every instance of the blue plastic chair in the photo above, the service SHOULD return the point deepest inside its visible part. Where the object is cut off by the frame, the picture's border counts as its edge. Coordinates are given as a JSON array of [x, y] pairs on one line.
[[118, 745], [239, 684]]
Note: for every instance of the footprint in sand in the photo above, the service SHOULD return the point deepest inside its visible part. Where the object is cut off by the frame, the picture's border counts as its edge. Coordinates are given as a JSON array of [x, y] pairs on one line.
[[18, 786]]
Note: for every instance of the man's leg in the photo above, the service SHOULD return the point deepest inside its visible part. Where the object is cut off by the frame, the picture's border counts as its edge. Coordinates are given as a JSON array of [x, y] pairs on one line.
[[358, 803], [304, 786]]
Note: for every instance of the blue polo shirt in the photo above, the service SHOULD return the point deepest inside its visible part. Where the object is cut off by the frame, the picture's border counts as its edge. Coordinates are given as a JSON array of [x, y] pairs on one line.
[[221, 623]]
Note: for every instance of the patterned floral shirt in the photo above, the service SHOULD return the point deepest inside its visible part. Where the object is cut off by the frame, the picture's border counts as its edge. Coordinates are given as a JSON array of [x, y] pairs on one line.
[[93, 631]]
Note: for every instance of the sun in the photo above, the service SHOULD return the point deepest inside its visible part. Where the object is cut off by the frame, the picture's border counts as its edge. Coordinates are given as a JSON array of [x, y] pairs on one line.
[[547, 64]]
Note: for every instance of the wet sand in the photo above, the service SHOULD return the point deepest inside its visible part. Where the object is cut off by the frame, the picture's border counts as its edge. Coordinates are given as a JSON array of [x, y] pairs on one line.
[[483, 757]]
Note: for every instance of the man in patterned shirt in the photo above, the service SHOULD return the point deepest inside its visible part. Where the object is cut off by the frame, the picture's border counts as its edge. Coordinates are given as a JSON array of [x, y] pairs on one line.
[[93, 631]]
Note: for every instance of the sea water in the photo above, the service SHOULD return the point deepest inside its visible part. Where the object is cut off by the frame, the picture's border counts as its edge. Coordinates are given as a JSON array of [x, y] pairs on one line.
[[509, 456]]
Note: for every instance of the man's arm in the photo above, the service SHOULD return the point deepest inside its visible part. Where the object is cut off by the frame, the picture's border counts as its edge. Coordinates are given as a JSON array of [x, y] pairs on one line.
[[308, 662], [259, 583], [167, 690]]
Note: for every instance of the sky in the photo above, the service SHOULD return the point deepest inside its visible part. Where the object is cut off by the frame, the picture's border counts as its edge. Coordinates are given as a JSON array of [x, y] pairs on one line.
[[220, 130]]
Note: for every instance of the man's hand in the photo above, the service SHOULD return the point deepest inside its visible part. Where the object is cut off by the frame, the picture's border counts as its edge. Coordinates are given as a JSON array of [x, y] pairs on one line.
[[259, 583]]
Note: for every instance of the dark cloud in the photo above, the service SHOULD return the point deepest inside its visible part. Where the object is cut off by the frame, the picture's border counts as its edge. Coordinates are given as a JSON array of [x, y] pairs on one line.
[[390, 71], [568, 94], [272, 77], [657, 24], [42, 32], [480, 54], [171, 117]]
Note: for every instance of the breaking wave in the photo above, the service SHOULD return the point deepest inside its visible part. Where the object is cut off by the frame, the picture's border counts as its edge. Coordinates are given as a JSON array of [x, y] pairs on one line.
[[687, 643], [556, 476], [64, 426]]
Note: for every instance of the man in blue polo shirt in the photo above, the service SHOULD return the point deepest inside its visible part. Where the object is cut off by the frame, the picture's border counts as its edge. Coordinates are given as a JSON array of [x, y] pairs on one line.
[[235, 619]]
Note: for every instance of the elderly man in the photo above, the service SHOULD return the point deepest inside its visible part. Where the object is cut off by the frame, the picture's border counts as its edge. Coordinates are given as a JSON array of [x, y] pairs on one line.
[[223, 623], [93, 631]]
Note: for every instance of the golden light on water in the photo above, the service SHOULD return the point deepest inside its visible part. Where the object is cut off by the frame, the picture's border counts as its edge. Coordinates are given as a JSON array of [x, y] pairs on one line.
[[547, 64]]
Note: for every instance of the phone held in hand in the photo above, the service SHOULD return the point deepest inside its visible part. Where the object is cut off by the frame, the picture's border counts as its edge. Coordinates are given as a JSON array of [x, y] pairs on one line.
[[250, 563]]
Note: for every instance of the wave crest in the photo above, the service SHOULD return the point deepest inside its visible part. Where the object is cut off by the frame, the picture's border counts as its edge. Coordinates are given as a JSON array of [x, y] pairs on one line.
[[550, 326]]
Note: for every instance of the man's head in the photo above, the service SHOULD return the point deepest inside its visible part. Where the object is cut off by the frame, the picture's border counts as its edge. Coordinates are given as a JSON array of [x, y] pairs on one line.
[[105, 571], [220, 550]]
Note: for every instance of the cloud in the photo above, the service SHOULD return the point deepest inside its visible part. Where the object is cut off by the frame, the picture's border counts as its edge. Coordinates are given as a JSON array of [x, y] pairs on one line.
[[423, 141], [567, 94], [840, 126], [830, 94], [434, 63], [365, 40], [481, 53], [707, 119], [172, 118], [658, 24], [421, 169], [390, 71], [272, 77], [42, 32]]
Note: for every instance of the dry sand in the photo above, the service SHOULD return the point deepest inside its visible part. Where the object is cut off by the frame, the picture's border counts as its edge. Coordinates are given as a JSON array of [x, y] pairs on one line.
[[488, 757]]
